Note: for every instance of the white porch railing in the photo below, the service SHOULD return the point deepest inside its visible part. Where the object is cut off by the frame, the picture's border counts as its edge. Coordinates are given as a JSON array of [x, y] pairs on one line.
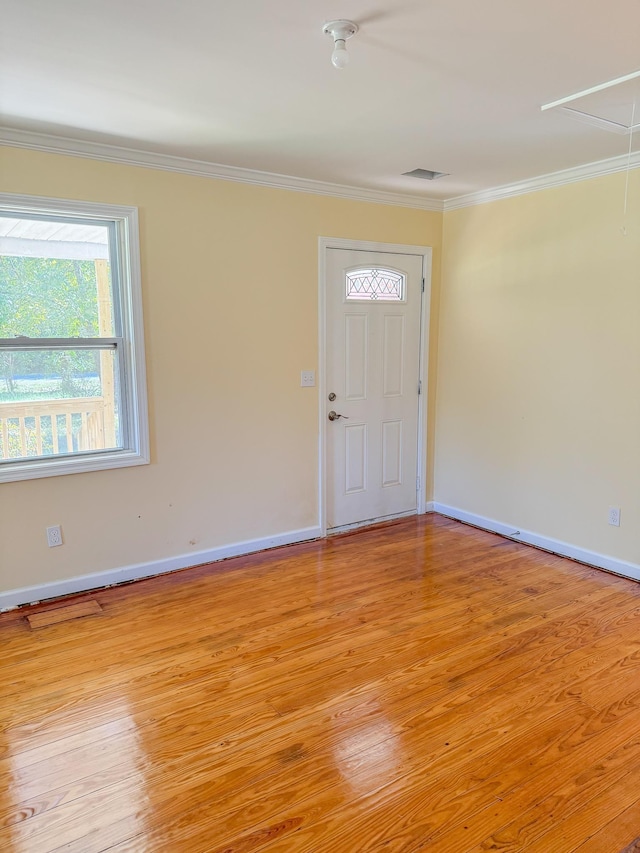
[[40, 427]]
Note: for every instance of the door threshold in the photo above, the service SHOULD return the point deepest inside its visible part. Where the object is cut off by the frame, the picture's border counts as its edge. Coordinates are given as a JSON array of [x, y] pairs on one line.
[[369, 522]]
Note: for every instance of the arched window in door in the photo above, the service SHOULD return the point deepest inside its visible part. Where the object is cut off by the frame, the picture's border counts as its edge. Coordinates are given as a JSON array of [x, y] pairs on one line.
[[366, 285]]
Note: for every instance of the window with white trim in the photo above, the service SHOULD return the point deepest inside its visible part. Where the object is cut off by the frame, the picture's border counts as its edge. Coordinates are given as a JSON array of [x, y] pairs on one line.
[[72, 374]]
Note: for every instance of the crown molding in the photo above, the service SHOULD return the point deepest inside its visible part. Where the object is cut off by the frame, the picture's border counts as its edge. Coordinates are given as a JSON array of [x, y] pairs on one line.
[[169, 163], [544, 182], [166, 162]]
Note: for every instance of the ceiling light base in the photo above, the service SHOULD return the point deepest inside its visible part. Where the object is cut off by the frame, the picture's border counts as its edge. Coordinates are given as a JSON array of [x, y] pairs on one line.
[[340, 29]]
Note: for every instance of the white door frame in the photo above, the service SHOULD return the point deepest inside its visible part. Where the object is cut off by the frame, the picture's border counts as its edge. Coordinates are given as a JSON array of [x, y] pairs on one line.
[[325, 243]]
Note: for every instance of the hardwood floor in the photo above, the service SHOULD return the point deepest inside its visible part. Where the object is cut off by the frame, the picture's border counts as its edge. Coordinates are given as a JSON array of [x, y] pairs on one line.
[[421, 685]]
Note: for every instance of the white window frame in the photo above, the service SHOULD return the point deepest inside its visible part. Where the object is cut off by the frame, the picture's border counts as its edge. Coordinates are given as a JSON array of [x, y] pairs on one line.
[[130, 345]]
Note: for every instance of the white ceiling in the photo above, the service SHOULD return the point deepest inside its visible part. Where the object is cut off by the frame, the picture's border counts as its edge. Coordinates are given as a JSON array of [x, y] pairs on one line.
[[448, 85]]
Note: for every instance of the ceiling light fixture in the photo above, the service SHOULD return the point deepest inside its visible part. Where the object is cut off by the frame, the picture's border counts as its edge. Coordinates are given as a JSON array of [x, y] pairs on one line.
[[340, 31]]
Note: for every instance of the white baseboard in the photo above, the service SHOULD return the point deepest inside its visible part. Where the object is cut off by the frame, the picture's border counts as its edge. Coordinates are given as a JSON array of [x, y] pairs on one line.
[[83, 583], [564, 549]]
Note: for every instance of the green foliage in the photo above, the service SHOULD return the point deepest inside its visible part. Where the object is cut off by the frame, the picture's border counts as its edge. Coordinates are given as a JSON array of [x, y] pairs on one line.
[[47, 298]]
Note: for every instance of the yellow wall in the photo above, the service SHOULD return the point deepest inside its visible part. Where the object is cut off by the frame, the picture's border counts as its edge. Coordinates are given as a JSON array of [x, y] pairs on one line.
[[538, 403], [537, 329], [230, 278]]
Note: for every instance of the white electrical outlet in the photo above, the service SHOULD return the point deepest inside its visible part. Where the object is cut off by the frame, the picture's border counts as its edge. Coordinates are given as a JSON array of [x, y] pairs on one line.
[[614, 516], [54, 536], [307, 378]]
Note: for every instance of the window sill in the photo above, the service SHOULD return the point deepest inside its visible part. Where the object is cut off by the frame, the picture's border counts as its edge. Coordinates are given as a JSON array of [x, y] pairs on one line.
[[37, 468]]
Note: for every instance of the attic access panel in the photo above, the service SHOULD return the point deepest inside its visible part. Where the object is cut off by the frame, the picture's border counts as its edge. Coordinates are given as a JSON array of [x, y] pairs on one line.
[[612, 106]]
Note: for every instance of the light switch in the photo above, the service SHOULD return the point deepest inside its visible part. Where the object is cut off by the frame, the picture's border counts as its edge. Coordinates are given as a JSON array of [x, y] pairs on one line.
[[307, 378]]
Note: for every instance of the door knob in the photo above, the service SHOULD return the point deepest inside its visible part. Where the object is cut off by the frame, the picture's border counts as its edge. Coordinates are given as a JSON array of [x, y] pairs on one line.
[[333, 416]]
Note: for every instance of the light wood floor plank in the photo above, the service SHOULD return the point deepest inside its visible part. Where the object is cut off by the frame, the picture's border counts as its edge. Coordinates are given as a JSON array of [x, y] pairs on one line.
[[615, 835]]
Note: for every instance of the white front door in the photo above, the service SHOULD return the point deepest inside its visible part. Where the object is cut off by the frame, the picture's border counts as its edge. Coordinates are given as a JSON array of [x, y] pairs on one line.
[[373, 310]]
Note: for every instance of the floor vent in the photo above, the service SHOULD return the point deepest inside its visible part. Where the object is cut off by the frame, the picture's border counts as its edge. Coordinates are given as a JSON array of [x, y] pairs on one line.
[[64, 614]]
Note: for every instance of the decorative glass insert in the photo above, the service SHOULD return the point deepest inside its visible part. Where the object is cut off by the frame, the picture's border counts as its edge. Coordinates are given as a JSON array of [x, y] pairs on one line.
[[366, 285]]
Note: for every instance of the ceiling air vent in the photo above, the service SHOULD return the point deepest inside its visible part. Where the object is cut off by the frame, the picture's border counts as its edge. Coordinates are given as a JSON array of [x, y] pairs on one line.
[[425, 174]]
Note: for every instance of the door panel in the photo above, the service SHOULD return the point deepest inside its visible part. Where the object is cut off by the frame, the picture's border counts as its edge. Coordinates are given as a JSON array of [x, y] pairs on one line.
[[355, 344], [393, 352], [392, 453], [372, 366], [355, 458]]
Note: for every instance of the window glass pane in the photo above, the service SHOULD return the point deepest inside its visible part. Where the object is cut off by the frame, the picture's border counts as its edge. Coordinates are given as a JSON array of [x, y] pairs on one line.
[[58, 402], [72, 374], [375, 284], [55, 279]]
